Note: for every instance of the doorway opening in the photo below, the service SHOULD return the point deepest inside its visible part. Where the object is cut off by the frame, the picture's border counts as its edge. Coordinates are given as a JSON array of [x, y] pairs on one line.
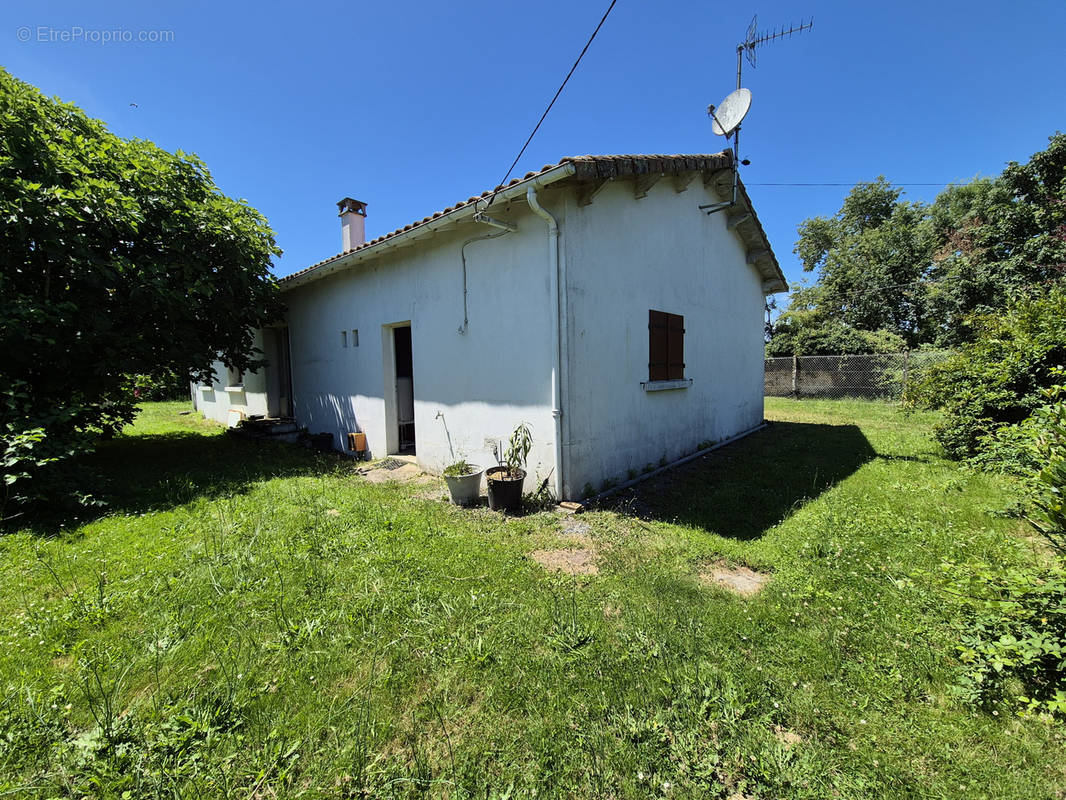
[[279, 372], [403, 369]]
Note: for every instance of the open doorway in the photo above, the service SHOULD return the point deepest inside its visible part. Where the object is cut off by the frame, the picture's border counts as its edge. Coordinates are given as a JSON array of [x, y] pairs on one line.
[[402, 418], [279, 372]]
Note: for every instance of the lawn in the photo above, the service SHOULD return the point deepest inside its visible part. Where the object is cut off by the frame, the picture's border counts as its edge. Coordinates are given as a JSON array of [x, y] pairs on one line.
[[258, 621]]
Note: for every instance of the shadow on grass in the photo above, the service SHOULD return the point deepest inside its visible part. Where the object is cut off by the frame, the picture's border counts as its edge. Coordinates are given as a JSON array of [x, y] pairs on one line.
[[157, 472], [745, 488]]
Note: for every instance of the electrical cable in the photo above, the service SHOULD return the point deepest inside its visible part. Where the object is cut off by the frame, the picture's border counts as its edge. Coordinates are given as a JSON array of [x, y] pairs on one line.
[[552, 103], [892, 183]]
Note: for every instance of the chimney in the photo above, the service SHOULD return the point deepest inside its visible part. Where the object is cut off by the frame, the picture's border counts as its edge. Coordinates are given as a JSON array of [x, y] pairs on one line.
[[353, 223]]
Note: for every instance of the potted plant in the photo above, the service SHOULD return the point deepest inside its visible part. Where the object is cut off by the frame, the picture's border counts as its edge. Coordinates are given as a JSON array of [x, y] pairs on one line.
[[505, 480], [464, 482]]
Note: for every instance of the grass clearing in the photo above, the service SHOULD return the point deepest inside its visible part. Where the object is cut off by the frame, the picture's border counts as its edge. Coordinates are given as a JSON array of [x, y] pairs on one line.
[[255, 620]]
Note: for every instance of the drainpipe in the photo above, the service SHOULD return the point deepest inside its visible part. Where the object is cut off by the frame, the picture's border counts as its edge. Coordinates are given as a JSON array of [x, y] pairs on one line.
[[555, 290], [462, 256], [505, 227]]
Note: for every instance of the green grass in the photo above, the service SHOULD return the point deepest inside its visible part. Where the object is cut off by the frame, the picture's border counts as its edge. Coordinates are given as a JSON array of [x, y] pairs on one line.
[[257, 621]]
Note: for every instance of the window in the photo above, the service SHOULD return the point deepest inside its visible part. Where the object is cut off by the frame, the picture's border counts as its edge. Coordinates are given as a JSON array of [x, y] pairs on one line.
[[355, 337], [344, 338], [666, 346]]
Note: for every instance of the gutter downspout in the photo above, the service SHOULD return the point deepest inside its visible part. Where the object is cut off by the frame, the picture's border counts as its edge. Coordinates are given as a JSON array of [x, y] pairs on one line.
[[555, 290], [505, 227]]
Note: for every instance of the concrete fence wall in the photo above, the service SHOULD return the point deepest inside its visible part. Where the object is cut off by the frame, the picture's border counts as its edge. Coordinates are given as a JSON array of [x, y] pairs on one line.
[[870, 376]]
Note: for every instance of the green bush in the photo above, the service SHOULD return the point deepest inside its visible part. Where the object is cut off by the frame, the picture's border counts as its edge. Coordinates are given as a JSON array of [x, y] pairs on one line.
[[169, 385], [119, 260], [1045, 433], [804, 333], [1012, 638], [998, 379], [39, 446]]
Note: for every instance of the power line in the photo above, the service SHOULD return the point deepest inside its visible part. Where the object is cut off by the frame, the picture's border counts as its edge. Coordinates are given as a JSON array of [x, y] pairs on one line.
[[552, 103], [892, 183], [873, 289], [863, 291]]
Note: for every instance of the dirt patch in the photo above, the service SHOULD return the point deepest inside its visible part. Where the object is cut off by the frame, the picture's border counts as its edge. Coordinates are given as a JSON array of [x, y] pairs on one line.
[[388, 472], [741, 580], [786, 737], [575, 528], [580, 561]]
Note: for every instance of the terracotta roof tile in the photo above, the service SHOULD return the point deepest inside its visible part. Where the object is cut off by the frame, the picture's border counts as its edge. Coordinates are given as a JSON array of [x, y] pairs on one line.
[[589, 167]]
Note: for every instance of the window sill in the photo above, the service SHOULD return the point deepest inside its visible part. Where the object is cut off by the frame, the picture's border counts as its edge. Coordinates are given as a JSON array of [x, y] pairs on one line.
[[237, 388], [662, 386]]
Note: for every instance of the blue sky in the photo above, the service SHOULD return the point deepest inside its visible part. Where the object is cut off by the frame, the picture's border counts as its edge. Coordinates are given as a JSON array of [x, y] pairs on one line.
[[411, 107]]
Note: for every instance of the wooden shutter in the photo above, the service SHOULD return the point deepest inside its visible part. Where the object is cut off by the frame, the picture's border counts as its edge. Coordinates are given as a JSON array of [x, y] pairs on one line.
[[658, 347], [666, 346], [675, 347]]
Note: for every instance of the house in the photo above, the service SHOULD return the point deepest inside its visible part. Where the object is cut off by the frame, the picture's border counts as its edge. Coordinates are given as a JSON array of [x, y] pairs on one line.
[[594, 300]]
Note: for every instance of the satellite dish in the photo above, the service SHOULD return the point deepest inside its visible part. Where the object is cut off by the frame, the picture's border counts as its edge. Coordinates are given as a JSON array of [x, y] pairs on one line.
[[728, 116]]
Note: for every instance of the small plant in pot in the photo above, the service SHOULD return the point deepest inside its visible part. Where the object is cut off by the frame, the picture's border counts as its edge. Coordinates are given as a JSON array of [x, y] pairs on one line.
[[464, 482], [505, 480]]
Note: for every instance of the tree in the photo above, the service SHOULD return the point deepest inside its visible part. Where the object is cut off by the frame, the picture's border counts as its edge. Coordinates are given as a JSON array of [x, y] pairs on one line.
[[870, 258], [959, 282], [920, 272], [997, 239], [119, 259], [806, 329], [872, 261]]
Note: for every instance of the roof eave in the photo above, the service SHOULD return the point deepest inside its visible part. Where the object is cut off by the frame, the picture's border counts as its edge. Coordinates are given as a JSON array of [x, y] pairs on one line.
[[774, 283], [422, 229]]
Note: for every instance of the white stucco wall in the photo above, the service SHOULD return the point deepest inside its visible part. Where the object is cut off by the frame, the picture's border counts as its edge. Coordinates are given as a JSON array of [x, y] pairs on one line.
[[214, 402], [622, 256], [483, 382], [625, 257]]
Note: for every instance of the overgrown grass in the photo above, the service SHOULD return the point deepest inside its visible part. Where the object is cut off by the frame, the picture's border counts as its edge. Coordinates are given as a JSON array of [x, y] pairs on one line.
[[256, 621]]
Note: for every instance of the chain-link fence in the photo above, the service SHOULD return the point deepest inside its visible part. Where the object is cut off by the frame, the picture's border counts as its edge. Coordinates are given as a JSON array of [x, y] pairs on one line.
[[872, 377]]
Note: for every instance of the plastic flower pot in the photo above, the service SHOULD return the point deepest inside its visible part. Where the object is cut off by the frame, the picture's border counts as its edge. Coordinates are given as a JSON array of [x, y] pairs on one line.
[[464, 489], [505, 491]]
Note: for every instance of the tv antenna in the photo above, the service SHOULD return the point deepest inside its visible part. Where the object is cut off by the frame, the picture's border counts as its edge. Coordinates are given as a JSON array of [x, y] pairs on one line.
[[727, 116], [753, 39]]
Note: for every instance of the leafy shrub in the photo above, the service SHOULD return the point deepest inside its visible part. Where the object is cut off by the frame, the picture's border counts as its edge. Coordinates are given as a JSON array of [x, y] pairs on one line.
[[1012, 641], [168, 385], [120, 259], [1036, 450], [518, 447], [39, 445], [1014, 628], [460, 468], [804, 333], [19, 454], [997, 380], [1047, 451]]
